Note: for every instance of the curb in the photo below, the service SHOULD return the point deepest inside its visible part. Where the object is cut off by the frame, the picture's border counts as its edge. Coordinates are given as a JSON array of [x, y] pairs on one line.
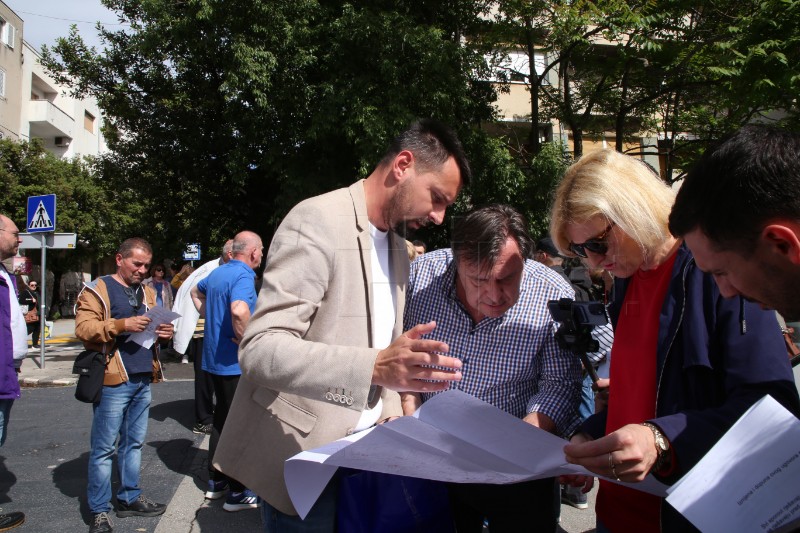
[[47, 382]]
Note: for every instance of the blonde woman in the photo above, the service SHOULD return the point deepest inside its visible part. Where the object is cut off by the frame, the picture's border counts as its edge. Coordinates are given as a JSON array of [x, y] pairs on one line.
[[684, 367]]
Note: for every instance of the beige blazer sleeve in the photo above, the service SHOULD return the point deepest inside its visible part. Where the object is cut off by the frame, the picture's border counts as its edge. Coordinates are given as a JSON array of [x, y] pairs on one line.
[[310, 334]]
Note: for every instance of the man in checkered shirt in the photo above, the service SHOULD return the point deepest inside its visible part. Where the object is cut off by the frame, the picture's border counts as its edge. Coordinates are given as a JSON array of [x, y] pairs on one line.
[[489, 301]]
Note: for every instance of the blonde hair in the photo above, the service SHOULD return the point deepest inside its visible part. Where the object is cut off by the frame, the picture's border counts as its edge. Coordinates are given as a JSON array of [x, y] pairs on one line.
[[618, 187]]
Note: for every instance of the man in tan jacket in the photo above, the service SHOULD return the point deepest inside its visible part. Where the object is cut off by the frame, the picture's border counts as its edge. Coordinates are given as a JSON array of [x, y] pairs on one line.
[[110, 309], [323, 353]]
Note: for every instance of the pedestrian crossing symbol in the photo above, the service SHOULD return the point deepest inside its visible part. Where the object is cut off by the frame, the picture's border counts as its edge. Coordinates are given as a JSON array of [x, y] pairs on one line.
[[41, 213]]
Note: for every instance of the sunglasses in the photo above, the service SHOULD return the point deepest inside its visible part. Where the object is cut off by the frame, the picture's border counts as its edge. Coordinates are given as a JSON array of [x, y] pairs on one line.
[[133, 299], [597, 245]]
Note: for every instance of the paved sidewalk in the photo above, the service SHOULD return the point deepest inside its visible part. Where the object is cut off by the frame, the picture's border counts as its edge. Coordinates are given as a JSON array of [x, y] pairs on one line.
[[60, 352]]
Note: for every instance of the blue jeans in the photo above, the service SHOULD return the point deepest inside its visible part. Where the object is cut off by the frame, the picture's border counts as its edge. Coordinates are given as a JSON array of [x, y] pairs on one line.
[[586, 407], [122, 411], [321, 518], [5, 411]]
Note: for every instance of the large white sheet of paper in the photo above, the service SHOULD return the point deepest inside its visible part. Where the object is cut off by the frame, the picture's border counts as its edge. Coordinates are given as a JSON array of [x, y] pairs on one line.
[[453, 437], [749, 480], [158, 315]]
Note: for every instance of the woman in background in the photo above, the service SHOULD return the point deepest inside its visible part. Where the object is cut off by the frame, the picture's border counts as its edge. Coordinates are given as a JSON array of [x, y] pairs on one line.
[[160, 285], [29, 299]]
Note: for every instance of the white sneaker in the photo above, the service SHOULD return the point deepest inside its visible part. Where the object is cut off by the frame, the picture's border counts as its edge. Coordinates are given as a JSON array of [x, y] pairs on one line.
[[185, 360]]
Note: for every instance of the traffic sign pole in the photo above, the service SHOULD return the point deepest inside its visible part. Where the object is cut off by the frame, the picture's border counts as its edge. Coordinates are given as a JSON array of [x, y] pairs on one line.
[[42, 219], [43, 299]]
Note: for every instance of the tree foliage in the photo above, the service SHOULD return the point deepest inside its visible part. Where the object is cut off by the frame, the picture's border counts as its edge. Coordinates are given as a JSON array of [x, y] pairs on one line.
[[87, 205], [225, 114], [687, 71]]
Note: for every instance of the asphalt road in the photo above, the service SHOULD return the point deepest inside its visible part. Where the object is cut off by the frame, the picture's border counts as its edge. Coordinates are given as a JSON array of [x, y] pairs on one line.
[[43, 464]]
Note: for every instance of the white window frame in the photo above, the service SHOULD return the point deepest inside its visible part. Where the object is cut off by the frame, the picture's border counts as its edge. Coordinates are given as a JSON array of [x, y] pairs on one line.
[[2, 82], [9, 34]]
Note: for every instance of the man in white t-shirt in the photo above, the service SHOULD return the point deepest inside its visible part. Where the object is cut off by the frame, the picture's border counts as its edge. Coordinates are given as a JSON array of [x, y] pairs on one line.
[[13, 342]]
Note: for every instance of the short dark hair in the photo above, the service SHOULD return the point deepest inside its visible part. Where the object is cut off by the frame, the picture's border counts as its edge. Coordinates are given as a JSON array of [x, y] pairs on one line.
[[479, 236], [432, 143], [128, 245], [545, 244], [736, 188]]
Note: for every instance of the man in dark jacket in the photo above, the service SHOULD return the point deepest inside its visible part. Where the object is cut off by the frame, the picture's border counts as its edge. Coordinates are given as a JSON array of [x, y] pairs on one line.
[[748, 237]]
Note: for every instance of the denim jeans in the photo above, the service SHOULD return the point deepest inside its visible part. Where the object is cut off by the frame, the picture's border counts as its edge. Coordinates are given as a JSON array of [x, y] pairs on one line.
[[320, 519], [5, 411], [122, 411], [586, 407], [601, 528]]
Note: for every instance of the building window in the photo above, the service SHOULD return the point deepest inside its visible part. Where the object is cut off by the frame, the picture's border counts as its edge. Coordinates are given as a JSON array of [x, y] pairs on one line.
[[88, 121], [515, 67], [9, 34], [2, 83]]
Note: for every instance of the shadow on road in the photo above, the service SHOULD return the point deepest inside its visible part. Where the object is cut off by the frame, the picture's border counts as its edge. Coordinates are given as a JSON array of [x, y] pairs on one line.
[[70, 478], [7, 480]]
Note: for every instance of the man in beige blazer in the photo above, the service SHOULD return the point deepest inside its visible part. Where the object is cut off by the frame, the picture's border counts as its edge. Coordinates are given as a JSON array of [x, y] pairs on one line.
[[312, 370]]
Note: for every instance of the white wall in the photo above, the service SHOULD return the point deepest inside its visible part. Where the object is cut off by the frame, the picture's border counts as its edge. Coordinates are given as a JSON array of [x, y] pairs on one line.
[[48, 111]]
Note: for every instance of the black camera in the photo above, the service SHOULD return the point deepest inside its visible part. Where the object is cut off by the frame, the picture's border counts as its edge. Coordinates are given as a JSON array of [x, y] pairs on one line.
[[579, 313], [578, 319]]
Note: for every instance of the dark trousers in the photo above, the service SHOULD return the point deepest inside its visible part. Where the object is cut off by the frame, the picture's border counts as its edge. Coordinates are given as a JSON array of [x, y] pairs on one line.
[[519, 507], [36, 329], [224, 388], [203, 385]]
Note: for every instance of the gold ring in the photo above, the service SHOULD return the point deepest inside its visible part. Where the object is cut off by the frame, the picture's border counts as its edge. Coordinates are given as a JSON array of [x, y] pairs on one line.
[[612, 466]]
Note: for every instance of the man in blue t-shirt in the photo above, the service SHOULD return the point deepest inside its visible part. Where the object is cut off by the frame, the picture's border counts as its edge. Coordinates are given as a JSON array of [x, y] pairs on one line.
[[226, 298]]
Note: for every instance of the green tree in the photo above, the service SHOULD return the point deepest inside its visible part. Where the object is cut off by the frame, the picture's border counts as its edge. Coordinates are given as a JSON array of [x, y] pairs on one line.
[[87, 205], [688, 72], [224, 114]]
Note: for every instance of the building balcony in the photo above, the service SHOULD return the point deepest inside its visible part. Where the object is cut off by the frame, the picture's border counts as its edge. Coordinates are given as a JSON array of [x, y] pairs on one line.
[[47, 120]]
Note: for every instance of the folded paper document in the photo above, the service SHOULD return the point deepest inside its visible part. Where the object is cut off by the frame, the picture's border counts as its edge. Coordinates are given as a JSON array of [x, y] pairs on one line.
[[453, 437], [750, 479]]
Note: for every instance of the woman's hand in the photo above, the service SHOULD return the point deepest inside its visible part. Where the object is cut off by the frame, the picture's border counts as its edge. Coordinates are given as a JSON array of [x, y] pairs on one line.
[[627, 454]]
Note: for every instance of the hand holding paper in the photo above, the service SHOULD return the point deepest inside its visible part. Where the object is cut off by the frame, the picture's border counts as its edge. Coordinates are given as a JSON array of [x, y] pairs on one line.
[[159, 325], [630, 450]]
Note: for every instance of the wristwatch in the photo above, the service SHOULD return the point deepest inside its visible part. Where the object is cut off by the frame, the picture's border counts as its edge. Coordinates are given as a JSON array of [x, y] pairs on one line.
[[662, 446]]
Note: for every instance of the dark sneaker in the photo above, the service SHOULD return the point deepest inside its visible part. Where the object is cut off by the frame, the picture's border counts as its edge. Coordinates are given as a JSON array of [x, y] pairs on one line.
[[140, 507], [239, 501], [574, 496], [202, 429], [101, 523], [216, 489], [12, 520]]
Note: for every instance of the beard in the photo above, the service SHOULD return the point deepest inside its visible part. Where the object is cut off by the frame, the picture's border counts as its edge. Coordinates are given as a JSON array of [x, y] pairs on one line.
[[396, 215]]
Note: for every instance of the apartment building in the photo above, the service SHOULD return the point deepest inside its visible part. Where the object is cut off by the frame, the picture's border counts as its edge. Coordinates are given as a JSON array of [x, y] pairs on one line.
[[33, 105], [514, 106], [67, 126], [10, 73]]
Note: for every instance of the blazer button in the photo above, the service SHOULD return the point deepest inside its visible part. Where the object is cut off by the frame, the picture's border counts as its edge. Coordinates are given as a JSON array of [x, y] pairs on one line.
[[329, 395], [349, 400]]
